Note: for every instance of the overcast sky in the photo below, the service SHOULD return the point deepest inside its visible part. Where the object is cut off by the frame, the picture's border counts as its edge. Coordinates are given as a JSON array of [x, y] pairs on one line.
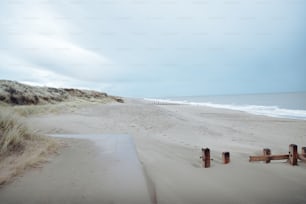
[[154, 48]]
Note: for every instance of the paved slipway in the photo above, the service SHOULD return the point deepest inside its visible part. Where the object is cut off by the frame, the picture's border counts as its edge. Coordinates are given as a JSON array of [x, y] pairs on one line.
[[98, 169]]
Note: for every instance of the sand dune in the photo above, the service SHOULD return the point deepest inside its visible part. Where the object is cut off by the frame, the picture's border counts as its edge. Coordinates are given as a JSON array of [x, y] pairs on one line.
[[15, 93]]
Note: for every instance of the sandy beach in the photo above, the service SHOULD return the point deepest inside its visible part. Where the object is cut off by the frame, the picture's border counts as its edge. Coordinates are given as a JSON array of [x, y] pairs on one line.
[[152, 102], [168, 140]]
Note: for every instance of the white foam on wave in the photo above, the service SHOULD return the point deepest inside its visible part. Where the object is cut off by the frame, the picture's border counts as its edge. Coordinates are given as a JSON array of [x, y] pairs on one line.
[[272, 111]]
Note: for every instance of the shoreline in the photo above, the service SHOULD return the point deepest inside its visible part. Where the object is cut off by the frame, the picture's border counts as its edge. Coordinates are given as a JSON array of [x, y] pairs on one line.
[[261, 110], [169, 138]]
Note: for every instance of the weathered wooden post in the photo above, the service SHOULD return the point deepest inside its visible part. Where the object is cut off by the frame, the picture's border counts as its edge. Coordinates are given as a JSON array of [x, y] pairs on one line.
[[293, 154], [267, 152], [303, 155], [226, 157], [304, 150], [206, 157]]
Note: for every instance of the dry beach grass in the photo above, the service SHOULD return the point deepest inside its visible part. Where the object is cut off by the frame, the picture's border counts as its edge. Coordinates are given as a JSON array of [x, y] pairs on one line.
[[20, 146], [13, 133]]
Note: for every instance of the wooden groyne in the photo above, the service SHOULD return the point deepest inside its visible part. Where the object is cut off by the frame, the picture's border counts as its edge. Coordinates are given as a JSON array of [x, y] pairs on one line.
[[293, 157]]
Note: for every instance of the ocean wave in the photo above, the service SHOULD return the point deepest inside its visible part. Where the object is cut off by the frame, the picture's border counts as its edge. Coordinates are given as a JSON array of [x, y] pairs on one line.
[[272, 111]]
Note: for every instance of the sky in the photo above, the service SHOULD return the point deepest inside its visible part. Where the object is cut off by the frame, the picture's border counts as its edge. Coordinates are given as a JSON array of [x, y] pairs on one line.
[[156, 48]]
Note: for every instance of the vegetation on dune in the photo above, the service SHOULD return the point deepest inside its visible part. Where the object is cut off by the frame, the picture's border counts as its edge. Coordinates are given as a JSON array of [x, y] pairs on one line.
[[28, 100], [20, 147], [70, 106], [13, 132], [15, 93]]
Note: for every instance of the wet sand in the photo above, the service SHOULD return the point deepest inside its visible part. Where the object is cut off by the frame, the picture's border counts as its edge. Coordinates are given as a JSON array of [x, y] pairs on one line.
[[104, 169], [169, 138]]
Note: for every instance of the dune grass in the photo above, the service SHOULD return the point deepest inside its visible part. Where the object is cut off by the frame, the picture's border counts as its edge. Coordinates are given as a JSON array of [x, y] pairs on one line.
[[20, 147], [13, 131], [68, 106]]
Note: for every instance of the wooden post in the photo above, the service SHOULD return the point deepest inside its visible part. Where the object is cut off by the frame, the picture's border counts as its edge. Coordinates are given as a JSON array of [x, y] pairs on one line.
[[303, 155], [267, 152], [226, 157], [304, 150], [293, 154], [206, 157]]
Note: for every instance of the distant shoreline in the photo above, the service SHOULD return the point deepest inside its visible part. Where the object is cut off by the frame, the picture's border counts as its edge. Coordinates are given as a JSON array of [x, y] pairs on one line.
[[284, 105]]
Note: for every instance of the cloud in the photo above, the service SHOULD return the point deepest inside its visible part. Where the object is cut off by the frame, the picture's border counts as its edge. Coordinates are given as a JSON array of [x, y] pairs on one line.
[[42, 39], [68, 59], [155, 47], [21, 70]]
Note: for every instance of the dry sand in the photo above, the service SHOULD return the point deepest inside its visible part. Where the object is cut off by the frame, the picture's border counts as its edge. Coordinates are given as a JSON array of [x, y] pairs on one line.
[[169, 139]]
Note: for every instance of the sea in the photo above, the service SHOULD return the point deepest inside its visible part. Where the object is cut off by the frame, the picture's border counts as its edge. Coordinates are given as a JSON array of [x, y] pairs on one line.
[[279, 105]]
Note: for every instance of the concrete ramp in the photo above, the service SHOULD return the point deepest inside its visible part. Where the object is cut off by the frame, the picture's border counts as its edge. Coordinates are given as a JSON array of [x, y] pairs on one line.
[[92, 169]]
